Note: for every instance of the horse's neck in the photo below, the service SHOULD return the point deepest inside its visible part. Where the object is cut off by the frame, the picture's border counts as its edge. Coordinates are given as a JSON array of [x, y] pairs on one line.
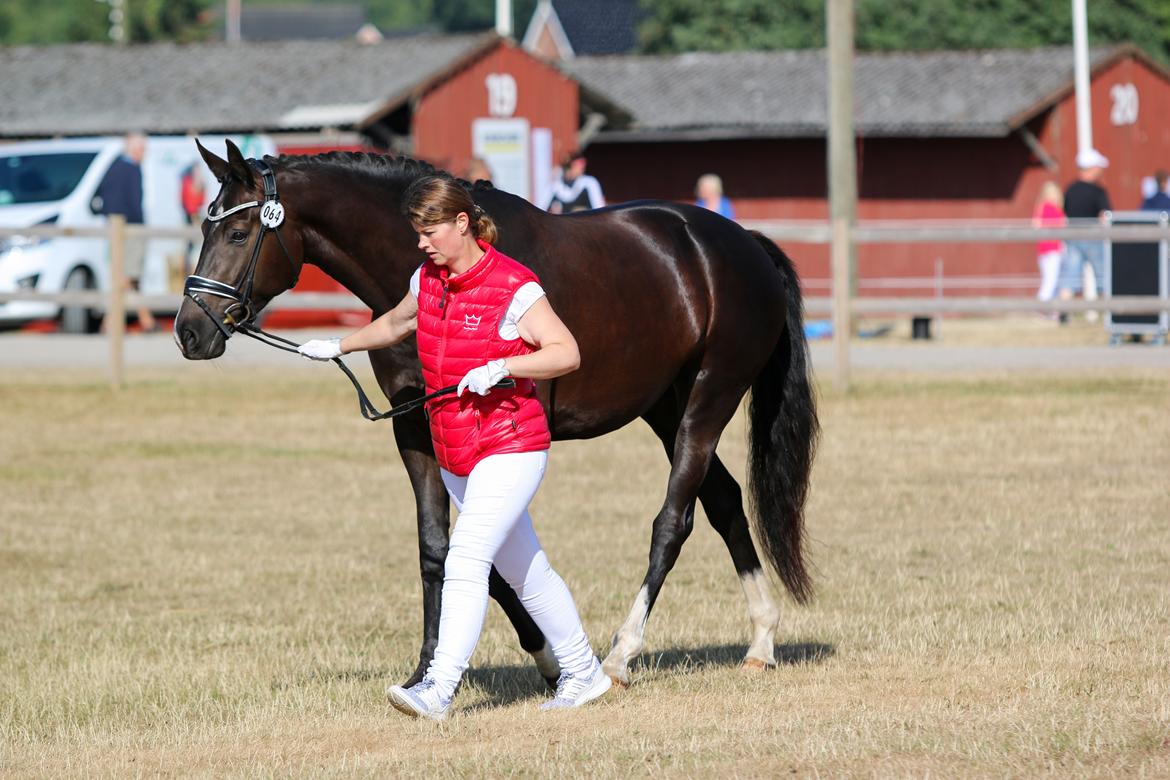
[[363, 245]]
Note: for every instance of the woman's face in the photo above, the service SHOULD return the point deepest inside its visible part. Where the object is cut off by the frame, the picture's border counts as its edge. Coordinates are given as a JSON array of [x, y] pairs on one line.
[[445, 241], [708, 190]]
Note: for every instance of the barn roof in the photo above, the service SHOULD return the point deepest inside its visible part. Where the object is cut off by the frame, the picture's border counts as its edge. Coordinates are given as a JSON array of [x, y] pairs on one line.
[[784, 94], [88, 89], [597, 27]]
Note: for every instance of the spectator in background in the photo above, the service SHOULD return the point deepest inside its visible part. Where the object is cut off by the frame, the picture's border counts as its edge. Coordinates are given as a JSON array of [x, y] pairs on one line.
[[709, 194], [1049, 212], [192, 196], [1158, 200], [574, 190], [121, 193], [478, 169], [1085, 199]]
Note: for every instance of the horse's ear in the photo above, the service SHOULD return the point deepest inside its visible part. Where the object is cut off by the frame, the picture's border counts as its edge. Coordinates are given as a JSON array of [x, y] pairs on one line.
[[239, 166], [218, 166]]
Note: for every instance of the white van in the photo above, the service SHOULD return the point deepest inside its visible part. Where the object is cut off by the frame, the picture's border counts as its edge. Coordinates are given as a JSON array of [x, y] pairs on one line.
[[54, 182]]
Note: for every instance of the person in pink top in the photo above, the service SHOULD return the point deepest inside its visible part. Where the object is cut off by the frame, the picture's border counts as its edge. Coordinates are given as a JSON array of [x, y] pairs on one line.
[[1049, 212]]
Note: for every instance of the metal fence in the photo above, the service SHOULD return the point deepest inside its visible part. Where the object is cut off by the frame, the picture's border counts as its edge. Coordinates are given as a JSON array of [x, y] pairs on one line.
[[115, 300]]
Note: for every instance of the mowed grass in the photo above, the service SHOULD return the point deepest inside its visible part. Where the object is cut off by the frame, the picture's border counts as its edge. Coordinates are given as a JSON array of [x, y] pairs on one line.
[[216, 574]]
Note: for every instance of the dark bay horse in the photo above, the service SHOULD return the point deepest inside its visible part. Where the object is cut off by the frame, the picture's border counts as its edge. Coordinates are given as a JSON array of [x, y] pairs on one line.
[[677, 312]]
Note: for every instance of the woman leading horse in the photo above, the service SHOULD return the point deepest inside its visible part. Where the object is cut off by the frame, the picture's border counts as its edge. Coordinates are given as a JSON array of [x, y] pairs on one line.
[[676, 311], [481, 317]]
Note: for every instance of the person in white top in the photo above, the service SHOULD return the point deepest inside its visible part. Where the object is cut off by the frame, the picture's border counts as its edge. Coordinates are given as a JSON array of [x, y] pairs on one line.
[[574, 190]]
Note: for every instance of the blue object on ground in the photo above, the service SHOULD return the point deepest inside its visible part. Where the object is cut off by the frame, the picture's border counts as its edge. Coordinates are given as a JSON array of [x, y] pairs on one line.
[[818, 329]]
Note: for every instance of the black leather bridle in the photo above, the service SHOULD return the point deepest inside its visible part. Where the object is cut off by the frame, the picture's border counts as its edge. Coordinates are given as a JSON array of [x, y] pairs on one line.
[[240, 312], [240, 295]]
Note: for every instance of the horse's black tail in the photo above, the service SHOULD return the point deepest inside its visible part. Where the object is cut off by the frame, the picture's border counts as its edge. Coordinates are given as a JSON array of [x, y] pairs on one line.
[[784, 431]]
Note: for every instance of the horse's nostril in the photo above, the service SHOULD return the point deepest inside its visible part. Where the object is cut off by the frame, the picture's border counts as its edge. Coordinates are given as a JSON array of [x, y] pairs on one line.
[[190, 340]]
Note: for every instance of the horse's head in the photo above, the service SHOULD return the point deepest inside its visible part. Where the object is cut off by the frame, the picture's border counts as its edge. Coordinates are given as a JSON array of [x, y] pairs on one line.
[[241, 267]]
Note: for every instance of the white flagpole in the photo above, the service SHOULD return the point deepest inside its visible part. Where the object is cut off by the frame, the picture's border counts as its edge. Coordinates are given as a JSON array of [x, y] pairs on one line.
[[1081, 71], [504, 18]]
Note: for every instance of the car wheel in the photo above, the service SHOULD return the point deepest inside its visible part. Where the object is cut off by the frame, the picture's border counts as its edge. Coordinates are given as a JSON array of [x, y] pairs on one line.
[[79, 319]]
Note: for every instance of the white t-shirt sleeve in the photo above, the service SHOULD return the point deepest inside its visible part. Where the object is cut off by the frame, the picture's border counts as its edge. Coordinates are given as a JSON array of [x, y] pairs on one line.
[[522, 301], [416, 282]]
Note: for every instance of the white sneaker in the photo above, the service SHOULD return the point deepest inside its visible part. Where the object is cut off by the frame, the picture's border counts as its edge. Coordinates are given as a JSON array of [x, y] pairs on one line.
[[421, 700], [573, 691]]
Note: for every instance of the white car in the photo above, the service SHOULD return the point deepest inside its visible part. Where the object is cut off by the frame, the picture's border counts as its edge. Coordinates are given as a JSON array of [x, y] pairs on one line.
[[54, 182]]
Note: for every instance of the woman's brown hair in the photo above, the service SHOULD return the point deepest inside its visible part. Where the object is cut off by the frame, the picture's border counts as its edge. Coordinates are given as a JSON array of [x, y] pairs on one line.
[[433, 200]]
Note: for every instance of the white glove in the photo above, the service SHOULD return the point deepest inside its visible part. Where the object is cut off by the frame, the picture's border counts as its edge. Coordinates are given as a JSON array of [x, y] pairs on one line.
[[321, 349], [481, 380]]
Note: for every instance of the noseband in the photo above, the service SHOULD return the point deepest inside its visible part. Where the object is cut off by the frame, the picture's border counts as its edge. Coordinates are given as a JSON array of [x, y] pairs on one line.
[[240, 294]]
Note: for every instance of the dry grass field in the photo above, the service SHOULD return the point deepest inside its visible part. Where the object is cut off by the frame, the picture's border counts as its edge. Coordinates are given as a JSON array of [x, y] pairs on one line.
[[215, 574]]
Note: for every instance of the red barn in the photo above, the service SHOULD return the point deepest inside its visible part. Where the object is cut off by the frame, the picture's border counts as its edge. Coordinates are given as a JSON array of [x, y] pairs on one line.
[[442, 98], [941, 135]]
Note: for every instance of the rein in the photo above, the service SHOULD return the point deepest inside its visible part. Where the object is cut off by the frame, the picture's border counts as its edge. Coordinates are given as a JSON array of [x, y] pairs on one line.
[[240, 295], [367, 409]]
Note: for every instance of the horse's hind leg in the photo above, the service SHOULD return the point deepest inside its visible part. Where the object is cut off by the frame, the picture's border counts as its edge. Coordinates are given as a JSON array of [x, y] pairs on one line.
[[722, 499], [530, 636], [708, 408]]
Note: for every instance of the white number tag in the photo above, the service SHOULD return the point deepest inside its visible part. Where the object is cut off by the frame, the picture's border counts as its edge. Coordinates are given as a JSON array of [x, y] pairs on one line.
[[271, 214]]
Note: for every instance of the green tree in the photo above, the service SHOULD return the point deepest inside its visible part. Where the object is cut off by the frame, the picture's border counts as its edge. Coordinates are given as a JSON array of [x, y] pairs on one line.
[[34, 22], [899, 25], [76, 21], [169, 20], [466, 15], [66, 21], [729, 25]]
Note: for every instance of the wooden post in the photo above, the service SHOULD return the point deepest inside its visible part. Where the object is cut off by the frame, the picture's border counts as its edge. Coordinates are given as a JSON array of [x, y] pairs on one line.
[[842, 179], [115, 318]]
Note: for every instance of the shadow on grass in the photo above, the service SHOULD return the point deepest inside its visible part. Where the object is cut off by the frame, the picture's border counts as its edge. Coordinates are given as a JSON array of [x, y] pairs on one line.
[[792, 654], [504, 685]]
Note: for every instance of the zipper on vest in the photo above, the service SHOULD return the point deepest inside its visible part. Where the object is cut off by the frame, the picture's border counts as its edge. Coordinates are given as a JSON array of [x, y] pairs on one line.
[[443, 298]]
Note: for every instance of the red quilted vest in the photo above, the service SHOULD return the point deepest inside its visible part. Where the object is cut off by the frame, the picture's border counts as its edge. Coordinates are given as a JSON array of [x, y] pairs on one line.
[[458, 330]]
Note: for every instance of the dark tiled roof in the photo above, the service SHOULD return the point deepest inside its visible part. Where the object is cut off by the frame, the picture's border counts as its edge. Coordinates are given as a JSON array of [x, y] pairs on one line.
[[785, 93], [596, 27], [88, 89], [301, 22]]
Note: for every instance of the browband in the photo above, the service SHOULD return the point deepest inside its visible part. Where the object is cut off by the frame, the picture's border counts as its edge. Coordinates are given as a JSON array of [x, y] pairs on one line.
[[224, 214]]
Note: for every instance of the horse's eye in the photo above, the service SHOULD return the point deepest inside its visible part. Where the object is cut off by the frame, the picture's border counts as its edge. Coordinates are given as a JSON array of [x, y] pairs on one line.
[[238, 236]]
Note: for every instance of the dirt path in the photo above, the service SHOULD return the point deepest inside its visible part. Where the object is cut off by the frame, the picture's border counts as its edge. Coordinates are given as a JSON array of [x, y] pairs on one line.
[[25, 350]]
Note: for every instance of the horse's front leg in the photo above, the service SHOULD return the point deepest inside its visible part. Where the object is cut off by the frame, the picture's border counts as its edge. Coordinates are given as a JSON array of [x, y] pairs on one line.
[[433, 510]]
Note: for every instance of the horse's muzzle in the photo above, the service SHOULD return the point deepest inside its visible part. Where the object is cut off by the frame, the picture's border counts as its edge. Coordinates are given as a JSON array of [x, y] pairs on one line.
[[196, 335]]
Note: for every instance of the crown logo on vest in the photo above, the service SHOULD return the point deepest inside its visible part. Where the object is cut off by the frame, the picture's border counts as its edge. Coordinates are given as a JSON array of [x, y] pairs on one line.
[[471, 322]]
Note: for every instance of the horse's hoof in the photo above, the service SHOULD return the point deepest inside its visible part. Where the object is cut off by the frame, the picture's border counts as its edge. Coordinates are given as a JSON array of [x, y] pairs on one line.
[[619, 685], [755, 665]]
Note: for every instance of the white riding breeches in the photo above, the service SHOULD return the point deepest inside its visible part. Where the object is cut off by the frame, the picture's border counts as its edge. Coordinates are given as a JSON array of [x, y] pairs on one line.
[[494, 527]]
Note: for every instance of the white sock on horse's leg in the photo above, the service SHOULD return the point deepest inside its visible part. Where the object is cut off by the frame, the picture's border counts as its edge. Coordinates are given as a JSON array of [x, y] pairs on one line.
[[765, 616], [628, 641]]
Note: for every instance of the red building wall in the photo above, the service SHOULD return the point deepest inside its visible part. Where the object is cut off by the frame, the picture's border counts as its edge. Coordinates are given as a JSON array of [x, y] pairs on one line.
[[442, 135], [545, 97], [1134, 150], [908, 178]]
